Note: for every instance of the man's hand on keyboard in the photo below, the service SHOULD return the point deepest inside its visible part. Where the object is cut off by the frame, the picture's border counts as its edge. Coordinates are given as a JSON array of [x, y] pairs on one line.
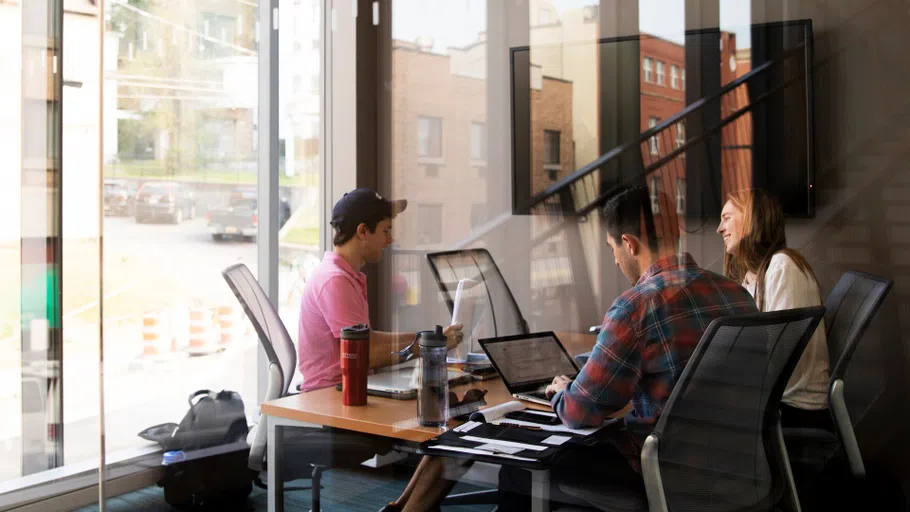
[[560, 383]]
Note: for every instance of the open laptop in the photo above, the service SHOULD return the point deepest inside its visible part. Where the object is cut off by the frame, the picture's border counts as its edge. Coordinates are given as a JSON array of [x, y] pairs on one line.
[[398, 383], [528, 363]]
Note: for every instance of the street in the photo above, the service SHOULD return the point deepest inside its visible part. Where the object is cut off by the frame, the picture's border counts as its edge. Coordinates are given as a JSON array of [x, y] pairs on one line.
[[161, 269]]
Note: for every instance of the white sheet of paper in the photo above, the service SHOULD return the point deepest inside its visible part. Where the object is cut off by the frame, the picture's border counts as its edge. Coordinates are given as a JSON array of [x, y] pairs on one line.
[[467, 427], [511, 450], [541, 413], [555, 428], [556, 440], [491, 414], [510, 444], [480, 452]]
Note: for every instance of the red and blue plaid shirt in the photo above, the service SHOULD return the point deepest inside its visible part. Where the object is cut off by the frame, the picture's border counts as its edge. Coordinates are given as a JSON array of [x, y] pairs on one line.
[[646, 339]]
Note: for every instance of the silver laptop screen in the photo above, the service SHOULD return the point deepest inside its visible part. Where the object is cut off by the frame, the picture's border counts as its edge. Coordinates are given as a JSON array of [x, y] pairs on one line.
[[531, 359]]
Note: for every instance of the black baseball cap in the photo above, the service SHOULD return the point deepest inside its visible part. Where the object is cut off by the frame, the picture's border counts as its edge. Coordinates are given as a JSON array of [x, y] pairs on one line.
[[363, 206]]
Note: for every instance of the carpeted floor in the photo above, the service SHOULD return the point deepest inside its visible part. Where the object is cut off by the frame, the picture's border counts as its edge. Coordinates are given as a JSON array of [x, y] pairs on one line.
[[360, 491]]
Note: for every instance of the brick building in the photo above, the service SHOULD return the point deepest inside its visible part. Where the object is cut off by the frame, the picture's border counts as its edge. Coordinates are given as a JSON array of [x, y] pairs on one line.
[[439, 154]]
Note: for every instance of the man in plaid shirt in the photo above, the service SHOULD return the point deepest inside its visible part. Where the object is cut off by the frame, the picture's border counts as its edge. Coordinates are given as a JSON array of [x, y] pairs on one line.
[[646, 339]]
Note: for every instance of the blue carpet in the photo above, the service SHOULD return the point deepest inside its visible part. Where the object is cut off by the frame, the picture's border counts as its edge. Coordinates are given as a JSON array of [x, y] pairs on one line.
[[360, 491]]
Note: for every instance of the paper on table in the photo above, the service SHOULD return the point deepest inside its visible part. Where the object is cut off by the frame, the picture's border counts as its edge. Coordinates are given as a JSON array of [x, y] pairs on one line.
[[498, 411], [541, 413], [554, 428], [480, 452], [510, 444], [469, 309], [555, 440], [511, 450]]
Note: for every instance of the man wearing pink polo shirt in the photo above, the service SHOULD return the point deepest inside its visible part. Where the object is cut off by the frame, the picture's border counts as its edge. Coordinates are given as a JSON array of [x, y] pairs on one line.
[[335, 295]]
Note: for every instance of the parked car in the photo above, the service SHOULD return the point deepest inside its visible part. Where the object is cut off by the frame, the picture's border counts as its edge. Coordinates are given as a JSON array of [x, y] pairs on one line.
[[119, 197], [240, 218], [164, 200]]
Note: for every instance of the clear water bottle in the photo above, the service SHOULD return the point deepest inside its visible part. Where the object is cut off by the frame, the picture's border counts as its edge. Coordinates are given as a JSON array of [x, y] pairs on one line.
[[433, 385]]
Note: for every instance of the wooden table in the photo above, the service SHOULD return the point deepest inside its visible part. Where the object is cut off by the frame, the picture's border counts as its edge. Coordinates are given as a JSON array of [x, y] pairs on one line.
[[381, 416]]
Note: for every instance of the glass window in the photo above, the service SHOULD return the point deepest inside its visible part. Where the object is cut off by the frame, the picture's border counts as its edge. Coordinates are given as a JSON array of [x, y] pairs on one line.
[[429, 137], [680, 134], [654, 190], [300, 115], [429, 224], [661, 77], [551, 147], [478, 141], [674, 76], [654, 141], [179, 124], [680, 196], [648, 71]]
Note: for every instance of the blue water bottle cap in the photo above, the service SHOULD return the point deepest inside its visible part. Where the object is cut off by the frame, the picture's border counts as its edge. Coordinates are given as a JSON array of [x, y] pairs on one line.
[[172, 457]]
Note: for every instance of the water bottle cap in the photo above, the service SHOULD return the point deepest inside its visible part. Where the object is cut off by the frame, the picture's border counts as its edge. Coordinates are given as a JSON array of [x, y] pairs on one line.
[[432, 339], [172, 457], [356, 332]]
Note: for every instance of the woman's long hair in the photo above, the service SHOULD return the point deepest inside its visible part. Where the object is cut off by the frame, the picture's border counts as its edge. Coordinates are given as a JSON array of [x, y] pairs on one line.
[[763, 236]]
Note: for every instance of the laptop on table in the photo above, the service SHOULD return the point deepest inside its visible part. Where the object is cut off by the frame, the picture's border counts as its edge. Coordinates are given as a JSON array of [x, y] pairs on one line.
[[528, 363], [399, 382]]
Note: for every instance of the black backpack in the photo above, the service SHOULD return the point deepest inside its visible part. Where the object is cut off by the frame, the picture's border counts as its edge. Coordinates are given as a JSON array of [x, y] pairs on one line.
[[213, 469]]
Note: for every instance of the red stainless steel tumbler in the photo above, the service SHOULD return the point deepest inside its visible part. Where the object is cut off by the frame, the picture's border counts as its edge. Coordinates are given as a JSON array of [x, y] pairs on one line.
[[355, 364]]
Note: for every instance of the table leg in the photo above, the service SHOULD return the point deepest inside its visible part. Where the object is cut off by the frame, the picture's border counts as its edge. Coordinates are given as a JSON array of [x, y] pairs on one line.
[[540, 490], [274, 455]]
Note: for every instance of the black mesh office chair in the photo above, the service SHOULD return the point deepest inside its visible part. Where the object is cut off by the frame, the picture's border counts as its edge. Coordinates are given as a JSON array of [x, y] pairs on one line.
[[850, 308], [718, 445], [309, 451], [477, 264]]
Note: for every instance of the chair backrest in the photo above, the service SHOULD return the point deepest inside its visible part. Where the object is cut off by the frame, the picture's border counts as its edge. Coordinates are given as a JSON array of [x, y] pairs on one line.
[[717, 448], [850, 307], [478, 265], [273, 336]]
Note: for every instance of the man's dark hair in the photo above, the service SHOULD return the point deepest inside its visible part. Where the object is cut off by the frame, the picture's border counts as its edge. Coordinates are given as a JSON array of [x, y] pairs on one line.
[[345, 233], [627, 213]]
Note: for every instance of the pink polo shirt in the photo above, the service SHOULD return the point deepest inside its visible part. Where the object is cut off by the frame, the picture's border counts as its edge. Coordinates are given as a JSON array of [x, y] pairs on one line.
[[334, 297]]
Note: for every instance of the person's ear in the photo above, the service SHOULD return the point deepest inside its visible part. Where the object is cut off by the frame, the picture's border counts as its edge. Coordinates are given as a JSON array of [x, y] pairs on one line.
[[362, 230], [632, 244]]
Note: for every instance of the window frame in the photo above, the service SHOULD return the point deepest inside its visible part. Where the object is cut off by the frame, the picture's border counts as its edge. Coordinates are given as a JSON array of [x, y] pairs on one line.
[[661, 68], [439, 136], [654, 140], [647, 67]]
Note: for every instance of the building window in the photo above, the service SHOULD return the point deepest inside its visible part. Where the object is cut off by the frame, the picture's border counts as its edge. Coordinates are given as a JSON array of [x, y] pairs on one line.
[[647, 67], [683, 77], [551, 148], [661, 76], [546, 17], [429, 224], [655, 195], [478, 214], [674, 76], [680, 134], [680, 196], [429, 137], [478, 142], [654, 141]]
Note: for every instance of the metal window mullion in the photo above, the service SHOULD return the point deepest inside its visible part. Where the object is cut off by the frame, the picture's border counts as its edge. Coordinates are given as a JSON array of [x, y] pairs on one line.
[[267, 239]]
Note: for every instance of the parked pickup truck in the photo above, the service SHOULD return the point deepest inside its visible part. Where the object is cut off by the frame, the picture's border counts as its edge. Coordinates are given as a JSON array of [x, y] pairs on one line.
[[239, 218]]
